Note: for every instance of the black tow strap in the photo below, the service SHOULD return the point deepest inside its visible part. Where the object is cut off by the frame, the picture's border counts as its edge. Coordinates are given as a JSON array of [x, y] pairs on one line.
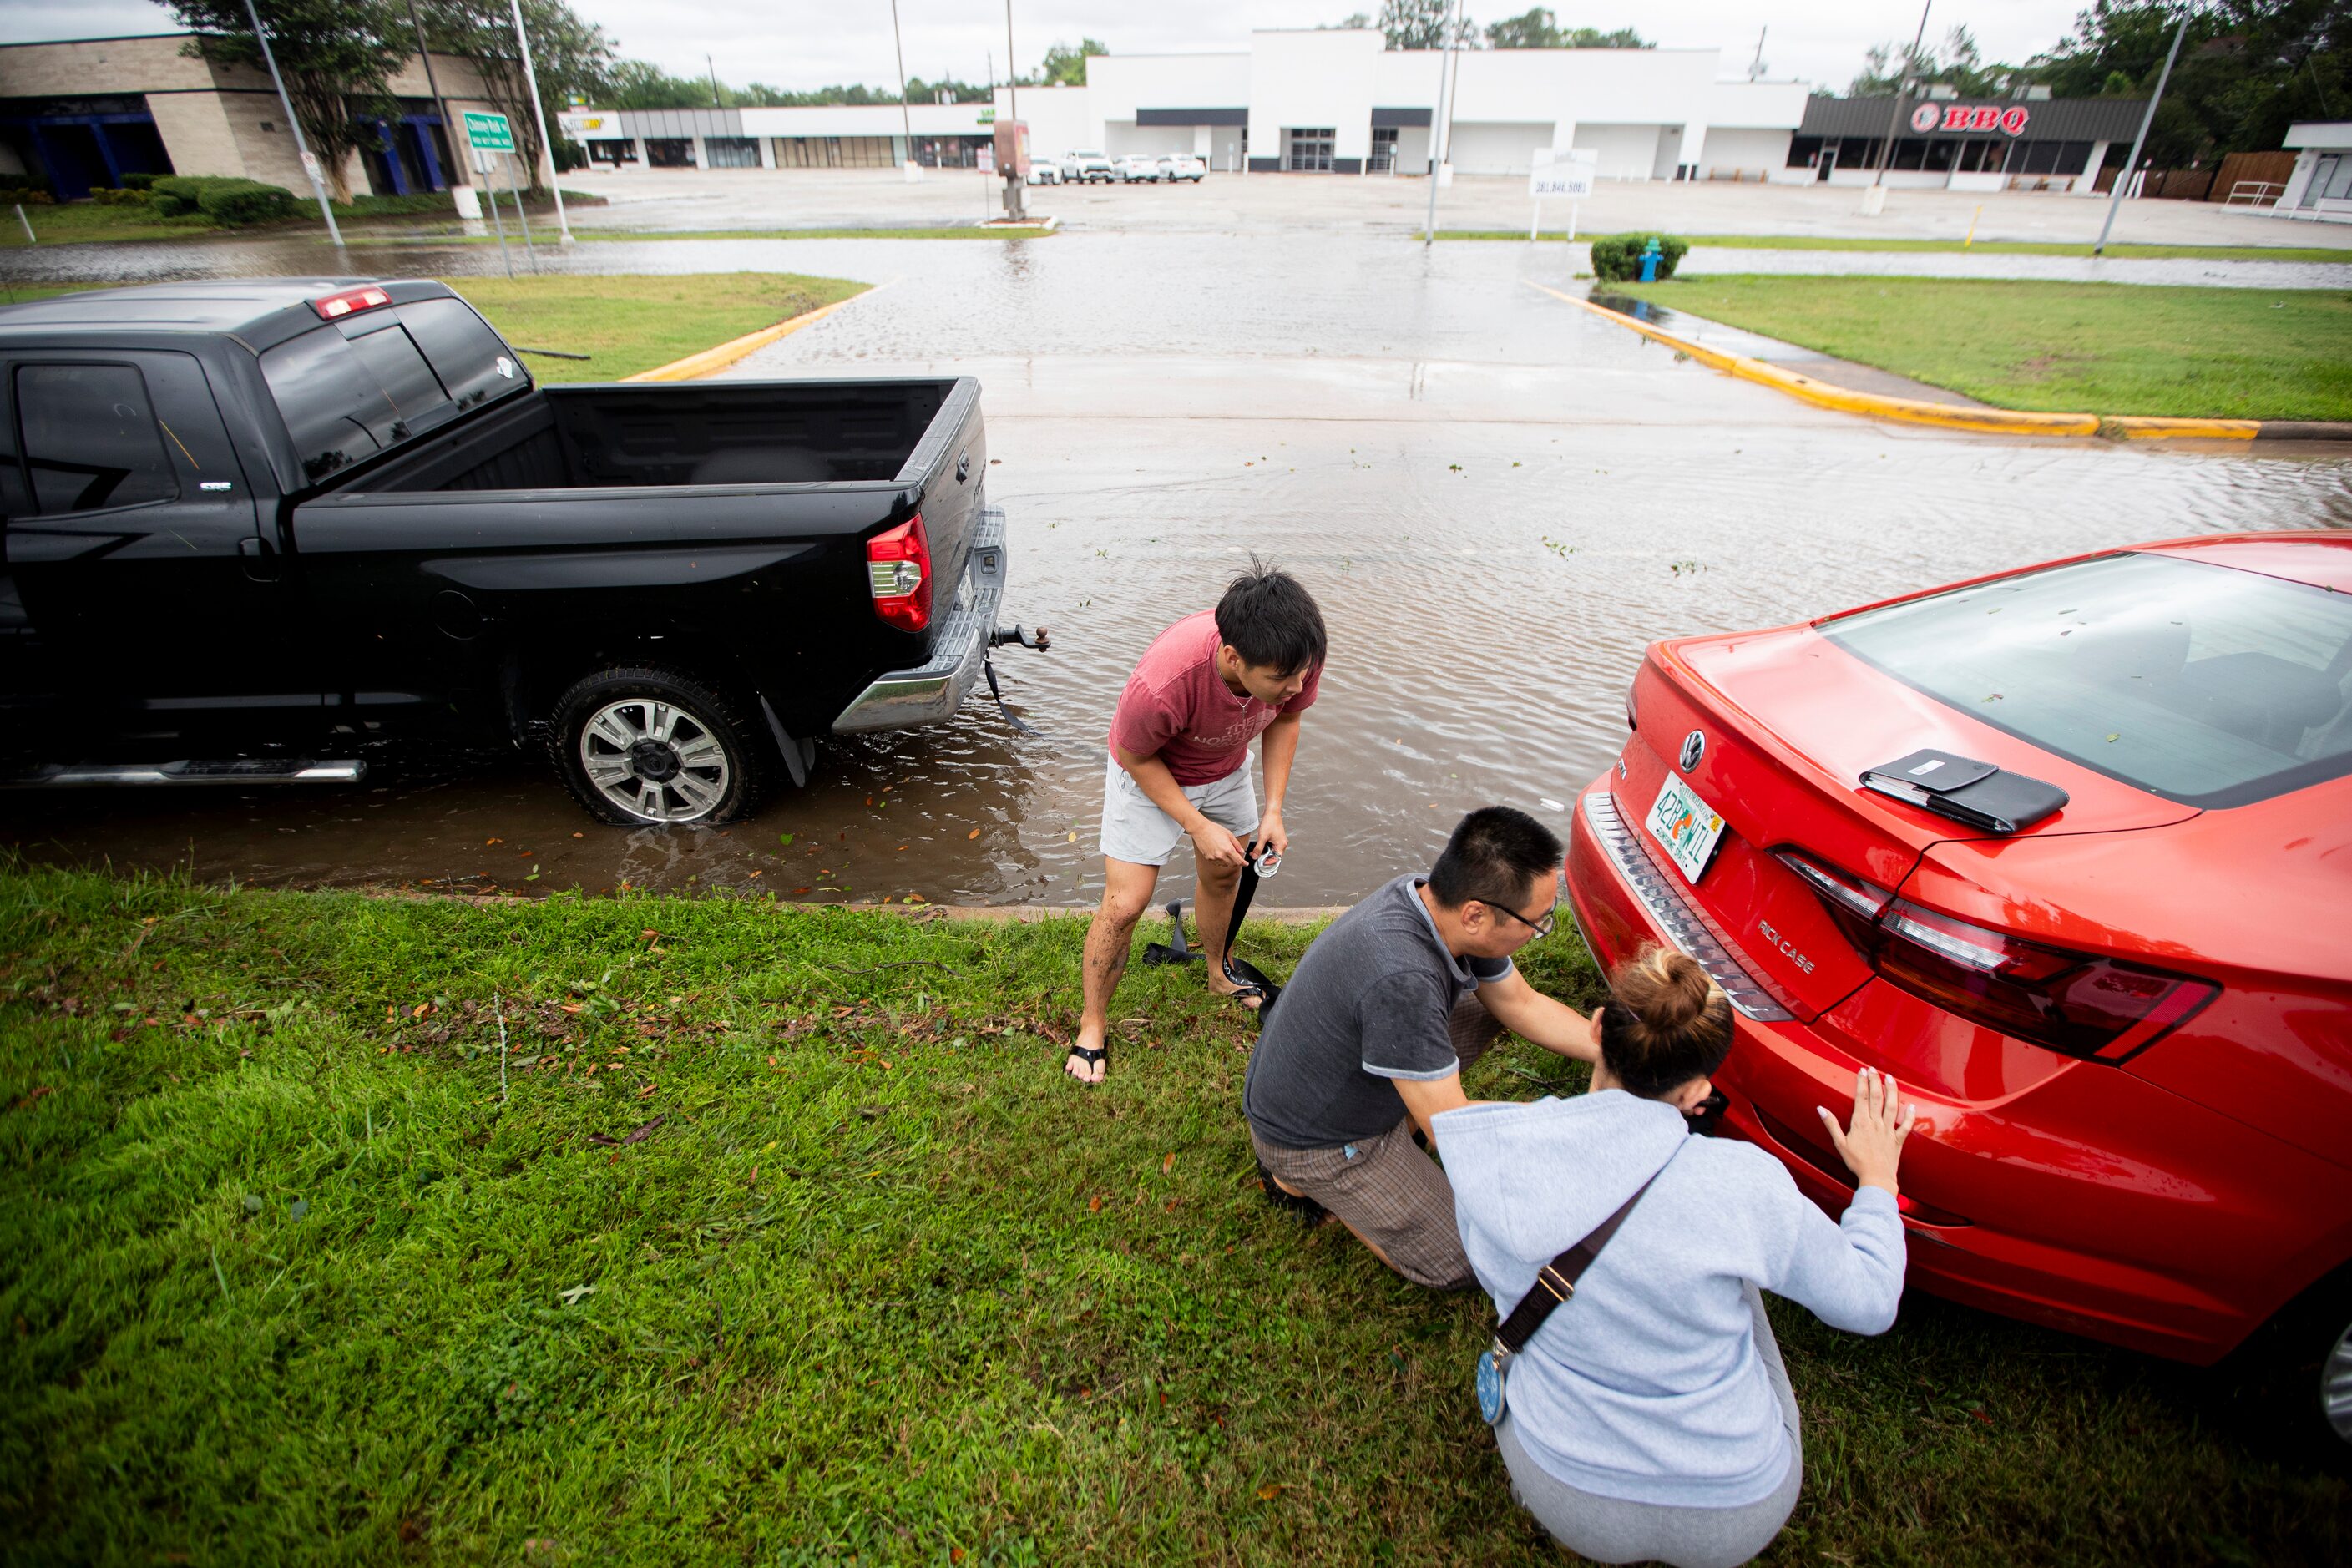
[[1247, 978], [988, 667]]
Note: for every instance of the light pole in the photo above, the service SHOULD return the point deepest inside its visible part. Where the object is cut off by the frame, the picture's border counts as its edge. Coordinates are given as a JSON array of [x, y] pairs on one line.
[[1895, 115], [1012, 171], [1438, 122], [539, 114], [440, 106], [2124, 174], [302, 148], [905, 118]]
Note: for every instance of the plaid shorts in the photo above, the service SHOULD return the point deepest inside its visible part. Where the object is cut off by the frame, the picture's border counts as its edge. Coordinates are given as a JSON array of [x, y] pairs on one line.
[[1385, 1188]]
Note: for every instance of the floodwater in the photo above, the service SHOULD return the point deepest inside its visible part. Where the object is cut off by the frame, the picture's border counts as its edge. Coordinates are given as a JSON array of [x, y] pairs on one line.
[[1498, 498]]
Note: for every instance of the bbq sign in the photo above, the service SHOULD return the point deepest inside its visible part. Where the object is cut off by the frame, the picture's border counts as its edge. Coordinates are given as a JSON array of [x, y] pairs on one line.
[[2005, 117]]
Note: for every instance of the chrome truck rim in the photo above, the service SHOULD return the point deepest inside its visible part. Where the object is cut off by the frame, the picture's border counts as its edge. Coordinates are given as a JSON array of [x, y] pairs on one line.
[[2335, 1386], [655, 760]]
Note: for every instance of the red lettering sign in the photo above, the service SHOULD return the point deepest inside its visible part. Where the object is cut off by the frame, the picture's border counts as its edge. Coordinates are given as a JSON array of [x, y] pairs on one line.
[[1986, 118], [2012, 119], [1956, 117], [1926, 118]]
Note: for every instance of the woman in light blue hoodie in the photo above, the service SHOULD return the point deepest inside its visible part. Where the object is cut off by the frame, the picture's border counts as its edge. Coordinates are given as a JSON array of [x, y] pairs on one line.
[[1650, 1417]]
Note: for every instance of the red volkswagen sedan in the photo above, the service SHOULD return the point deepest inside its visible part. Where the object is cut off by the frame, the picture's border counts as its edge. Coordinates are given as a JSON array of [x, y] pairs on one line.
[[2129, 1020]]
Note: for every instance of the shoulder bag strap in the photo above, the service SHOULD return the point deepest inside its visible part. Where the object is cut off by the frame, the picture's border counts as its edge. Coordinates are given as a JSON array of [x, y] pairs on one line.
[[1556, 1280]]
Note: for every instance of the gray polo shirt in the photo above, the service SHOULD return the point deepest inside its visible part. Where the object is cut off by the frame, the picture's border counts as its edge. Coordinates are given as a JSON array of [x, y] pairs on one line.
[[1369, 1004]]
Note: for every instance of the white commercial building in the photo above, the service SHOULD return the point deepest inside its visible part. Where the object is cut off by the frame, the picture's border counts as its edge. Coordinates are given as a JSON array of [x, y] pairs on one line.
[[1338, 101], [1330, 100], [2321, 185]]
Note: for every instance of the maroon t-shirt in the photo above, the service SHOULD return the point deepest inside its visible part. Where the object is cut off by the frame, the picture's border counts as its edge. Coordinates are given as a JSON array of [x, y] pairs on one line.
[[1178, 707]]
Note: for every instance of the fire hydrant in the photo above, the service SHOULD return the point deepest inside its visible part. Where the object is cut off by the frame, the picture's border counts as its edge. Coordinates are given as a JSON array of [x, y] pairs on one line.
[[1651, 256]]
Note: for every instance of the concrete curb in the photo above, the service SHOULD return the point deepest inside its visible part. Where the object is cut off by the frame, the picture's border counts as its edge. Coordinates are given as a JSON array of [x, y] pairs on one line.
[[711, 361], [1987, 421]]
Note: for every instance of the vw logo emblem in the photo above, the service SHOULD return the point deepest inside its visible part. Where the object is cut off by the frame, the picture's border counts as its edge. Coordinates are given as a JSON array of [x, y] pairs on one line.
[[1694, 748]]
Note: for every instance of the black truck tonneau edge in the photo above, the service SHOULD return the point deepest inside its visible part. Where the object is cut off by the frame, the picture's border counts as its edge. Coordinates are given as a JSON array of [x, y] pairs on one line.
[[253, 527]]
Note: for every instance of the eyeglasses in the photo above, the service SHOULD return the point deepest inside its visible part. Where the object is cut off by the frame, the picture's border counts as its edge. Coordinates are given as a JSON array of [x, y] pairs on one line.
[[1542, 928]]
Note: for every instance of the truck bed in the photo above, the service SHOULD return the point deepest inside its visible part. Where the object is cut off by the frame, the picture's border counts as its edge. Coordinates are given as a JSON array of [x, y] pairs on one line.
[[620, 436]]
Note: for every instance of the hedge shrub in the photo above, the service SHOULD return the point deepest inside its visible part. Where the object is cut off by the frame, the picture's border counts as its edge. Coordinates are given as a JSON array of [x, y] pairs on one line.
[[125, 197], [1617, 259], [223, 199], [25, 195], [141, 182]]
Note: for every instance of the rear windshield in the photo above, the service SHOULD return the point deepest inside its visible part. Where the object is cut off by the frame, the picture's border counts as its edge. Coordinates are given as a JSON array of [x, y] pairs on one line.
[[363, 387], [2203, 684]]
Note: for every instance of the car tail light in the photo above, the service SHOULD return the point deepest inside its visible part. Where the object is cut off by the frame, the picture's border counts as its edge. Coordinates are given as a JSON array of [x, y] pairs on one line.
[[334, 307], [898, 571], [2100, 1009]]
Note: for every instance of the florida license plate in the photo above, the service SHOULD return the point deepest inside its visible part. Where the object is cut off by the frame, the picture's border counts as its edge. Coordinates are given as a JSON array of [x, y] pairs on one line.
[[1687, 826]]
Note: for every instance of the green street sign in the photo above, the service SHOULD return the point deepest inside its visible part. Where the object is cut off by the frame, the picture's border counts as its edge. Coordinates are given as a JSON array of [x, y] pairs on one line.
[[988, 117], [489, 133]]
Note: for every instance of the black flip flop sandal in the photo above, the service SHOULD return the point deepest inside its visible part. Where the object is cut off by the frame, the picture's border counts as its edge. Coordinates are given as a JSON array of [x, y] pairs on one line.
[[1091, 1058]]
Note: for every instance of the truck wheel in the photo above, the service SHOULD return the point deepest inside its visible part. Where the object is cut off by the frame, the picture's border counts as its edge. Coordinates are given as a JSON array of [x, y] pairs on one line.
[[643, 745]]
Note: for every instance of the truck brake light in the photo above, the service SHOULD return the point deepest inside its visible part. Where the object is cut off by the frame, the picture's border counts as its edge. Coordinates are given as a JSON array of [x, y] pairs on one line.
[[334, 307], [2100, 1009], [898, 573]]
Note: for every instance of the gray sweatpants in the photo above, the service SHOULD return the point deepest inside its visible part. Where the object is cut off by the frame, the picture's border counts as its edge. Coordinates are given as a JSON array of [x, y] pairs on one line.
[[1611, 1530]]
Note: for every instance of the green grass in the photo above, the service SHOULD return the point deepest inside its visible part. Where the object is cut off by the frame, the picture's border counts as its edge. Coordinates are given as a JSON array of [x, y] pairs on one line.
[[2093, 348], [75, 223], [626, 324], [629, 323], [969, 231], [2342, 254], [289, 1276]]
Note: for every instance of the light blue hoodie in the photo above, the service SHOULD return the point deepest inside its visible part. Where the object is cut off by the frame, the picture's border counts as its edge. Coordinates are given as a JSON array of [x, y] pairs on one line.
[[1646, 1385]]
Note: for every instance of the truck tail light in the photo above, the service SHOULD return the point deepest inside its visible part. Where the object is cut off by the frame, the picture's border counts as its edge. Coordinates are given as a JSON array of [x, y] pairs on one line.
[[335, 307], [898, 571], [2100, 1009]]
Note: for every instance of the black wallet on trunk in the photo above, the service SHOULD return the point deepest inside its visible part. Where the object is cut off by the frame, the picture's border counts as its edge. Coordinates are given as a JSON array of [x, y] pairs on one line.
[[1966, 789]]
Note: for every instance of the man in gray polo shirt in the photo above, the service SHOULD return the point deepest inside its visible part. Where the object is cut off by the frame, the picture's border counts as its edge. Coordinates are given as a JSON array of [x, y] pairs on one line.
[[1388, 1007]]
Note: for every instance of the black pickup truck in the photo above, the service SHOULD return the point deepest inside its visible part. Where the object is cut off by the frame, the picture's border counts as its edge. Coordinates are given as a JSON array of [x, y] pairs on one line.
[[255, 528]]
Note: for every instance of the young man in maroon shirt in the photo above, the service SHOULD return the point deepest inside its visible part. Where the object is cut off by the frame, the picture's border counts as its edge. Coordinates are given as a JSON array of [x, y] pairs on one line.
[[1179, 766]]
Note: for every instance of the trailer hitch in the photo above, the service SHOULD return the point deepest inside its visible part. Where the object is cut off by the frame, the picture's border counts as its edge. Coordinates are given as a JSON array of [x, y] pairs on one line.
[[1039, 639]]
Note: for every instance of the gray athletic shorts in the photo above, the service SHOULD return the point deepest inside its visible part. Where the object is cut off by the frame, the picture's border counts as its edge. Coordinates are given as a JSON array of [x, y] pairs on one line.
[[1137, 831]]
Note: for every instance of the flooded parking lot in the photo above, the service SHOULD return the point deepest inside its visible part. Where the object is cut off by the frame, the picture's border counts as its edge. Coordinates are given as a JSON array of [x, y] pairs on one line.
[[1498, 498]]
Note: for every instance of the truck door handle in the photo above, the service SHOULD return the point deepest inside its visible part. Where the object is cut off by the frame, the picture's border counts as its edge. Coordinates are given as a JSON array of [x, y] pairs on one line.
[[261, 561], [963, 466]]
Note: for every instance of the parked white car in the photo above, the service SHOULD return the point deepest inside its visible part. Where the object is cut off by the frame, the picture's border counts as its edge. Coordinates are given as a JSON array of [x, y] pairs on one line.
[[1182, 167], [1088, 167], [1133, 166], [1045, 174]]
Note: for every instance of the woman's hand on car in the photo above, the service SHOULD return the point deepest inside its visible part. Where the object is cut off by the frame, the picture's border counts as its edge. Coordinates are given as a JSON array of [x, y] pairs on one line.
[[1873, 1146]]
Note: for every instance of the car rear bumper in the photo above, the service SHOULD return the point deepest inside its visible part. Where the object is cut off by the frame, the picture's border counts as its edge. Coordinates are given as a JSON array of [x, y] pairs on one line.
[[2029, 1216], [933, 691]]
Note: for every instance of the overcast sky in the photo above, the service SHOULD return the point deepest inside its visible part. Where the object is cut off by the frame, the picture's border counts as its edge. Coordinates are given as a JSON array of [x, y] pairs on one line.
[[804, 44]]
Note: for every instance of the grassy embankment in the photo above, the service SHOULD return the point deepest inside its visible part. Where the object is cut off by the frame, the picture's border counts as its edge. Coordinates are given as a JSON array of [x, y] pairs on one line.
[[2095, 348], [626, 324], [783, 1242], [373, 217], [2342, 254]]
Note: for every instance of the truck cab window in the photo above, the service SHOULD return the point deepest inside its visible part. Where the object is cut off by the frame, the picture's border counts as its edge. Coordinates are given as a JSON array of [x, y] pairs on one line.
[[91, 439], [463, 352], [347, 398]]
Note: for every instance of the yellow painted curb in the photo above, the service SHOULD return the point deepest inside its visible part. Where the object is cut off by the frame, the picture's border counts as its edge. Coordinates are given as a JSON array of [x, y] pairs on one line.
[[1919, 411], [2153, 428], [695, 367]]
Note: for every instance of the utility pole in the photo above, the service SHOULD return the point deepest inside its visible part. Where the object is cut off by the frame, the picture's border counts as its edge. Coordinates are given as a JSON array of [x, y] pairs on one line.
[[1902, 85], [2124, 174], [539, 114], [1015, 207], [1439, 122], [905, 118], [1755, 65], [302, 148], [713, 69], [440, 104]]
